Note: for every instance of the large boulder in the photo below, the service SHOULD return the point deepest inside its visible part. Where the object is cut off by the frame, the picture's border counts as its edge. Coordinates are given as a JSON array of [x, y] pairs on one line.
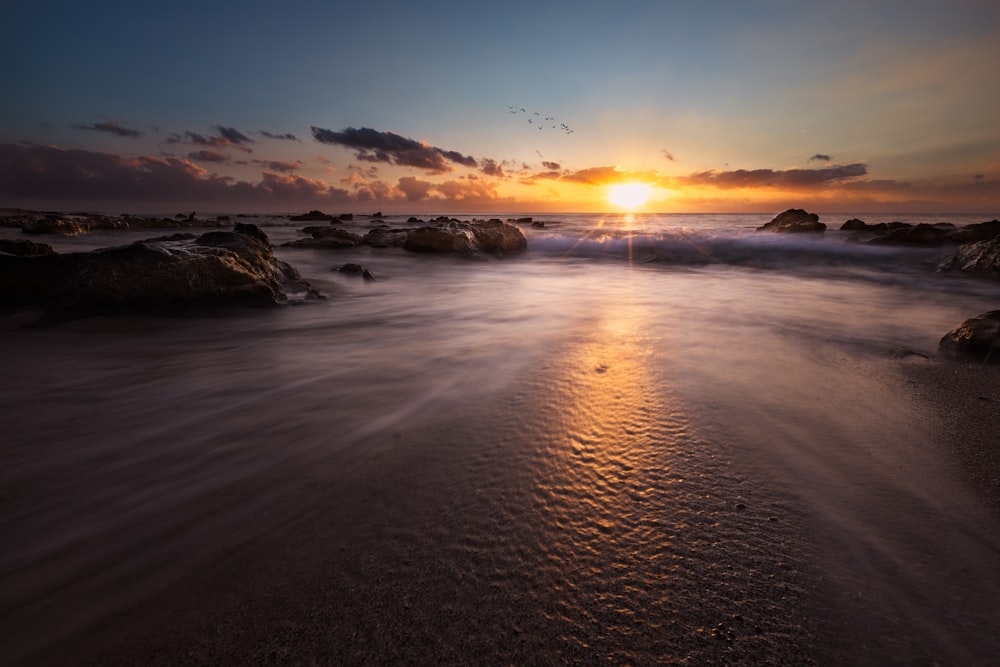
[[24, 248], [982, 231], [326, 237], [162, 275], [794, 220], [385, 237], [976, 339], [915, 235], [979, 258], [479, 238]]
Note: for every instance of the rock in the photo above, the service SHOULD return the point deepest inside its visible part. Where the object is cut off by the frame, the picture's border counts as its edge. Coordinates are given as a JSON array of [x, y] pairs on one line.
[[982, 231], [976, 339], [384, 237], [313, 216], [24, 248], [854, 225], [794, 220], [538, 224], [155, 276], [474, 239], [920, 235], [49, 225], [326, 237], [979, 258], [357, 270]]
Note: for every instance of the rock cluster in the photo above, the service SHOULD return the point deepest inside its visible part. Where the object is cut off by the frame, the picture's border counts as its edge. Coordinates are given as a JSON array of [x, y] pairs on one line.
[[794, 220], [979, 258], [923, 234], [976, 339], [157, 276]]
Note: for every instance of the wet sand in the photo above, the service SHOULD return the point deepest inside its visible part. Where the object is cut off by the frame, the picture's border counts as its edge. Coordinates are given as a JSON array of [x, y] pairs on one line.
[[574, 516]]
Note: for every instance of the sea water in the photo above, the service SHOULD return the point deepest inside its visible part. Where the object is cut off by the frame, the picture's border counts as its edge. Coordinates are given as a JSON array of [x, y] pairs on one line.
[[647, 439]]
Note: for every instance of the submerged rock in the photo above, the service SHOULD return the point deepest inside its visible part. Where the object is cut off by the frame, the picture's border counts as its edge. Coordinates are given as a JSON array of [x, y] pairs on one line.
[[326, 237], [919, 235], [794, 220], [313, 216], [474, 239], [976, 339], [979, 258], [357, 270], [162, 275]]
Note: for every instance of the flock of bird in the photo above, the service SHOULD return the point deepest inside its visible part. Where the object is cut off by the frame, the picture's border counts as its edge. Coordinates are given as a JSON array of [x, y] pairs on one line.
[[541, 122]]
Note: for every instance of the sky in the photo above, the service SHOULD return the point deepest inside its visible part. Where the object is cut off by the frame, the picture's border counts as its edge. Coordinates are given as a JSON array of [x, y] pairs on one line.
[[464, 108]]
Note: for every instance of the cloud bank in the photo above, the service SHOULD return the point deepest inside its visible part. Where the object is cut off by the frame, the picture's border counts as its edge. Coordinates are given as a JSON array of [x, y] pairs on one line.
[[388, 147]]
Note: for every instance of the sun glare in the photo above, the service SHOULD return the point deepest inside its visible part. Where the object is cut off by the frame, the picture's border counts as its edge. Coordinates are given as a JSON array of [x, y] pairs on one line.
[[629, 196]]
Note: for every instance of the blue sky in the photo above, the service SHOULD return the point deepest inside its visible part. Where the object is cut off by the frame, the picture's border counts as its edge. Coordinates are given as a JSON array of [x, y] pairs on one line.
[[715, 105]]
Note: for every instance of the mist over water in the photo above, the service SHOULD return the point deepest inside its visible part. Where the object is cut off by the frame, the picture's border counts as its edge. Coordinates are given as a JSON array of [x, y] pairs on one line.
[[604, 449]]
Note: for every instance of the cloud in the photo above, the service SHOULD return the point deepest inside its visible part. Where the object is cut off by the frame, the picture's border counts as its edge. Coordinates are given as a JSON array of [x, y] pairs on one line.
[[208, 156], [414, 189], [234, 136], [492, 168], [551, 166], [111, 127], [278, 165], [667, 154], [770, 178], [53, 175], [374, 146], [820, 157], [471, 190], [288, 136], [197, 139], [607, 175]]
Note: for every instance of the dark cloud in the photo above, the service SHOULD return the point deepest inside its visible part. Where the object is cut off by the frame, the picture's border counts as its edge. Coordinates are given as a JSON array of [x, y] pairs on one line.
[[820, 157], [201, 140], [667, 154], [278, 165], [288, 136], [770, 178], [374, 146], [472, 190], [111, 127], [414, 189], [208, 156], [492, 168], [233, 136], [551, 166], [53, 175]]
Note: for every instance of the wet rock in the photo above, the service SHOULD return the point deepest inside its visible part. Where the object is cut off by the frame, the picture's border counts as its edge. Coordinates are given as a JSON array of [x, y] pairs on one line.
[[326, 237], [983, 231], [65, 227], [155, 276], [794, 220], [976, 339], [980, 258], [24, 248], [357, 270], [384, 237], [313, 216], [854, 225], [919, 235], [479, 238]]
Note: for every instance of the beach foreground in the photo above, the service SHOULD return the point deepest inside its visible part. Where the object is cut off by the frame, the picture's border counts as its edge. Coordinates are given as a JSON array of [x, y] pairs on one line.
[[530, 462]]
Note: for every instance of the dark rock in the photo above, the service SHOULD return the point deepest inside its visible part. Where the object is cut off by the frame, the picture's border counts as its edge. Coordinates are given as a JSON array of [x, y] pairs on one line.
[[976, 339], [854, 225], [55, 226], [412, 220], [474, 239], [524, 221], [314, 216], [326, 237], [357, 270], [346, 217], [920, 235], [538, 224], [979, 258], [222, 218], [982, 231], [384, 237], [155, 276], [24, 248], [794, 220]]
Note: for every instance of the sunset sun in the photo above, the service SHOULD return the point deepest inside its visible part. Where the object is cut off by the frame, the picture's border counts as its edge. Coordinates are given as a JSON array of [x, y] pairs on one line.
[[629, 196]]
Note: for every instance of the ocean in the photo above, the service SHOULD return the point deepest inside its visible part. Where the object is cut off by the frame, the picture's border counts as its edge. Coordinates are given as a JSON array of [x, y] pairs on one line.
[[650, 439]]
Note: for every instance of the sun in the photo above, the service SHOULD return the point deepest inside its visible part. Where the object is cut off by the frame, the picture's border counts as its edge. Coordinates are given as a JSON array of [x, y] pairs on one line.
[[629, 196]]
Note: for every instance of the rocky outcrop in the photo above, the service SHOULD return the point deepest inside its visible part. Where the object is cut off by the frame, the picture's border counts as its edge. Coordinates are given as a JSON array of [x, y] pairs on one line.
[[979, 258], [923, 234], [794, 220], [919, 235], [358, 271], [479, 238], [318, 216], [983, 231], [326, 237], [61, 226], [24, 248], [156, 276], [385, 237], [976, 339]]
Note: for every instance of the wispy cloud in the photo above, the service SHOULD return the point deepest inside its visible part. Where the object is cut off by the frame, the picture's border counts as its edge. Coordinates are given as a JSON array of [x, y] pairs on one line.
[[771, 178], [233, 136], [820, 157], [388, 147], [279, 165], [110, 127], [208, 156], [221, 141], [667, 154], [288, 136]]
